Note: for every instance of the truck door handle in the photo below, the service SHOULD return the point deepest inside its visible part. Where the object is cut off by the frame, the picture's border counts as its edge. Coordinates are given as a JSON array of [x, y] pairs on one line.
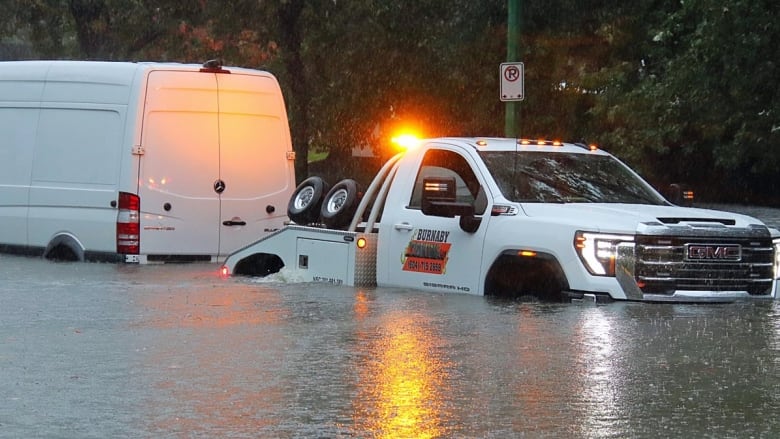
[[404, 226], [234, 222]]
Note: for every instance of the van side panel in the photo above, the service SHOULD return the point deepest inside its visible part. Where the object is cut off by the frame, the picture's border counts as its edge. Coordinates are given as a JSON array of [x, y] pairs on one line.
[[254, 141], [180, 164], [74, 175], [21, 87], [16, 149], [76, 159]]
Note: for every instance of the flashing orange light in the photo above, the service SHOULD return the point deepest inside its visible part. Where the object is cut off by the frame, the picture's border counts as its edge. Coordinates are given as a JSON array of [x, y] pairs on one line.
[[525, 142], [406, 140], [540, 142], [361, 242], [527, 253], [481, 142], [557, 143], [593, 147]]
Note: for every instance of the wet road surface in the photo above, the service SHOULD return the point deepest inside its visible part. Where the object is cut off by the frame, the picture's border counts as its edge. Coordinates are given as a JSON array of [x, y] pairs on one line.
[[101, 350]]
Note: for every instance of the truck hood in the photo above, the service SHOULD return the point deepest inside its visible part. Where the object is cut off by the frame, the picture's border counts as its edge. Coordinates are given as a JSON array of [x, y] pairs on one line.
[[627, 218]]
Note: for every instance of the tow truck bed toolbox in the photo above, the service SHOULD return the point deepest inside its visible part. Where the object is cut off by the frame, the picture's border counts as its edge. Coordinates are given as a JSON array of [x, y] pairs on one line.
[[318, 255]]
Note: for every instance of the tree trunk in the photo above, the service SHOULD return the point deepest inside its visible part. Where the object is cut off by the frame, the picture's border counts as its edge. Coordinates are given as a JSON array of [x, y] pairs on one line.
[[290, 41]]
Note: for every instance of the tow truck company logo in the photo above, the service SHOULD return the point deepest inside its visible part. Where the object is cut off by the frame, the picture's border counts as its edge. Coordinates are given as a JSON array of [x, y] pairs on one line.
[[427, 251], [725, 252]]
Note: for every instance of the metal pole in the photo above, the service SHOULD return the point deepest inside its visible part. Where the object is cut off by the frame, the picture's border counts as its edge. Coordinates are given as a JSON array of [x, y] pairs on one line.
[[511, 56]]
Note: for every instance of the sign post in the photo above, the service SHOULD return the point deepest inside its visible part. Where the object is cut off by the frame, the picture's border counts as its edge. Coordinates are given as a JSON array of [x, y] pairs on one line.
[[513, 32]]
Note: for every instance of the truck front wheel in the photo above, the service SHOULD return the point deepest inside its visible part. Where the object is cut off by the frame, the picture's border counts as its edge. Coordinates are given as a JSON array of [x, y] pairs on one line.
[[539, 277]]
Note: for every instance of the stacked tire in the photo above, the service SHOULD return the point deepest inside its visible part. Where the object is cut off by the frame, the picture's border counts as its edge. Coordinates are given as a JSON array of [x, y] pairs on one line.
[[315, 202]]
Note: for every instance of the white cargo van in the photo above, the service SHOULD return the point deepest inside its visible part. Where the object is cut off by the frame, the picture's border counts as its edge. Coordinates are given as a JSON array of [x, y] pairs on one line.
[[140, 162]]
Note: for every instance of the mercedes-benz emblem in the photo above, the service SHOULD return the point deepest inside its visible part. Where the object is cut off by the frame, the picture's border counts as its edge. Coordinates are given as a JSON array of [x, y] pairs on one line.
[[219, 186]]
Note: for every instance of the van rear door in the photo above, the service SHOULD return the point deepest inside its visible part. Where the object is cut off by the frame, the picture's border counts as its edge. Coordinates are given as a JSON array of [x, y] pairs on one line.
[[180, 166], [257, 176]]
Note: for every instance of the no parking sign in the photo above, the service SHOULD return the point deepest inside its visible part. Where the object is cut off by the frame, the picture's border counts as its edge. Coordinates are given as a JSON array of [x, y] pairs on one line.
[[511, 74]]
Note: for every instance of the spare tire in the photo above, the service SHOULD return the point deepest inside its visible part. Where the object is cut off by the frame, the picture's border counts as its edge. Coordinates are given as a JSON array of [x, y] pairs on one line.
[[305, 203], [340, 204]]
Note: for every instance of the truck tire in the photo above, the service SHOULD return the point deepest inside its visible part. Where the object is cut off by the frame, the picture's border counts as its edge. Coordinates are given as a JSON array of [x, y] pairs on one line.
[[514, 277], [340, 204], [304, 205]]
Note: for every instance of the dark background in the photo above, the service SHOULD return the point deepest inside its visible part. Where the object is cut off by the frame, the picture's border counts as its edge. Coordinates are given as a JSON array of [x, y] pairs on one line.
[[681, 91]]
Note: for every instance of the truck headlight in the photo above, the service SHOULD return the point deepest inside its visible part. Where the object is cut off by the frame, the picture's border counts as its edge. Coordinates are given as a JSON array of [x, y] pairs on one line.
[[599, 251]]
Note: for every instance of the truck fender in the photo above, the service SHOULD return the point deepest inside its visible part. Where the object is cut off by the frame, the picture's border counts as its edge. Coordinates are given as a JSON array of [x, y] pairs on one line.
[[64, 247], [517, 274]]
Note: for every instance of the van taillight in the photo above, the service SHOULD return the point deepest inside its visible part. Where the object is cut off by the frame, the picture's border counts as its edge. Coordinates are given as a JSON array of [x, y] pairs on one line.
[[128, 226]]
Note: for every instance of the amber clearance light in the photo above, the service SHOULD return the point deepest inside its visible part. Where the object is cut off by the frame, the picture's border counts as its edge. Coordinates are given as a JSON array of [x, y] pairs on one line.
[[406, 140]]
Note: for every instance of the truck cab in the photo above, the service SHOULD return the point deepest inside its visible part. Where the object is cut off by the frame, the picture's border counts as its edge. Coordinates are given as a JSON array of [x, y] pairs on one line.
[[556, 221]]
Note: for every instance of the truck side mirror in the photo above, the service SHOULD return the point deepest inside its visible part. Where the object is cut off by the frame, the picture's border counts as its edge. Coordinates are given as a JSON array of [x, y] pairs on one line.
[[679, 194], [438, 199]]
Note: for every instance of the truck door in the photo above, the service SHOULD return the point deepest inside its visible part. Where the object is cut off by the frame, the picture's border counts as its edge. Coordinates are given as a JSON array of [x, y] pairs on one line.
[[431, 252], [256, 175], [179, 169]]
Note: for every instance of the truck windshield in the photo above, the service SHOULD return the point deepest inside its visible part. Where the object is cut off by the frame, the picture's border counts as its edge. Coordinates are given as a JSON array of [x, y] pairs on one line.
[[553, 177]]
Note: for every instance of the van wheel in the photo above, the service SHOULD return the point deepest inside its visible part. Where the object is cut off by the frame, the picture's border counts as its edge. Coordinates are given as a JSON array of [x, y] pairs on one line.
[[340, 204], [64, 248], [304, 206]]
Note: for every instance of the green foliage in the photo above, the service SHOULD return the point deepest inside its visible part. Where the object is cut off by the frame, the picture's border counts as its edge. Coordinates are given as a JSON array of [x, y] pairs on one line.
[[685, 91], [699, 102]]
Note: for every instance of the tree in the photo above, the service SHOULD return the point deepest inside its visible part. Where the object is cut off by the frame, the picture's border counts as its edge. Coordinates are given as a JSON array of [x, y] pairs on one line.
[[699, 103], [682, 90]]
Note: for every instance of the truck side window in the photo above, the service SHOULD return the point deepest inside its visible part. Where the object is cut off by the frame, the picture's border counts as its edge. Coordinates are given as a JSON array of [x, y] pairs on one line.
[[443, 163]]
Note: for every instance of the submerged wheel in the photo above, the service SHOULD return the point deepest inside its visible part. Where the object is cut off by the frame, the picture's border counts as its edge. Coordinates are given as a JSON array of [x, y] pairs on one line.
[[305, 203], [514, 277], [340, 204]]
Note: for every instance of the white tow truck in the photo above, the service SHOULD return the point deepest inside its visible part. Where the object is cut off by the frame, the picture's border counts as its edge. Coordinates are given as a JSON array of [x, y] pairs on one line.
[[509, 217]]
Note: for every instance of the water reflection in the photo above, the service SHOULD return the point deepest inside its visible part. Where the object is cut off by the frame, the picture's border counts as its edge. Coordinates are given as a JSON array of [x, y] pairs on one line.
[[598, 367], [213, 381], [402, 378], [564, 361], [96, 350], [318, 361]]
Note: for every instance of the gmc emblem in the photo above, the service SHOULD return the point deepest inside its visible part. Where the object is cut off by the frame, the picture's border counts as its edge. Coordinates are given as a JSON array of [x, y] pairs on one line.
[[718, 252]]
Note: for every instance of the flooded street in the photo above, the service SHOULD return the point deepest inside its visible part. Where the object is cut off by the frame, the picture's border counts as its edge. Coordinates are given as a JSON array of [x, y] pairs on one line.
[[101, 350]]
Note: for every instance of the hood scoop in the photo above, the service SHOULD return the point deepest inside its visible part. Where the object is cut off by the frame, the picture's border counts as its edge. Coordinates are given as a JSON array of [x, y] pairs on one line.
[[701, 222]]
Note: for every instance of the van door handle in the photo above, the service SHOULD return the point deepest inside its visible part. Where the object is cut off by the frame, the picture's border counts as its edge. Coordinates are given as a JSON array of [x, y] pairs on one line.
[[234, 222], [404, 226]]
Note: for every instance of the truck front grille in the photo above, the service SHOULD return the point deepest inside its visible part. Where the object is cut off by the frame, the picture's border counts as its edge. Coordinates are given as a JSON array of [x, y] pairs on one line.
[[665, 264]]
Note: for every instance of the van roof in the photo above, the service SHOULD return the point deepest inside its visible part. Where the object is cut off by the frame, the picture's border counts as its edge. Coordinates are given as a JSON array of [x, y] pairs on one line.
[[61, 80], [95, 71]]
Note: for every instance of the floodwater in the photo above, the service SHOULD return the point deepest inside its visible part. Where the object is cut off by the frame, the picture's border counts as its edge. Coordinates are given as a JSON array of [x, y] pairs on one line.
[[101, 350]]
